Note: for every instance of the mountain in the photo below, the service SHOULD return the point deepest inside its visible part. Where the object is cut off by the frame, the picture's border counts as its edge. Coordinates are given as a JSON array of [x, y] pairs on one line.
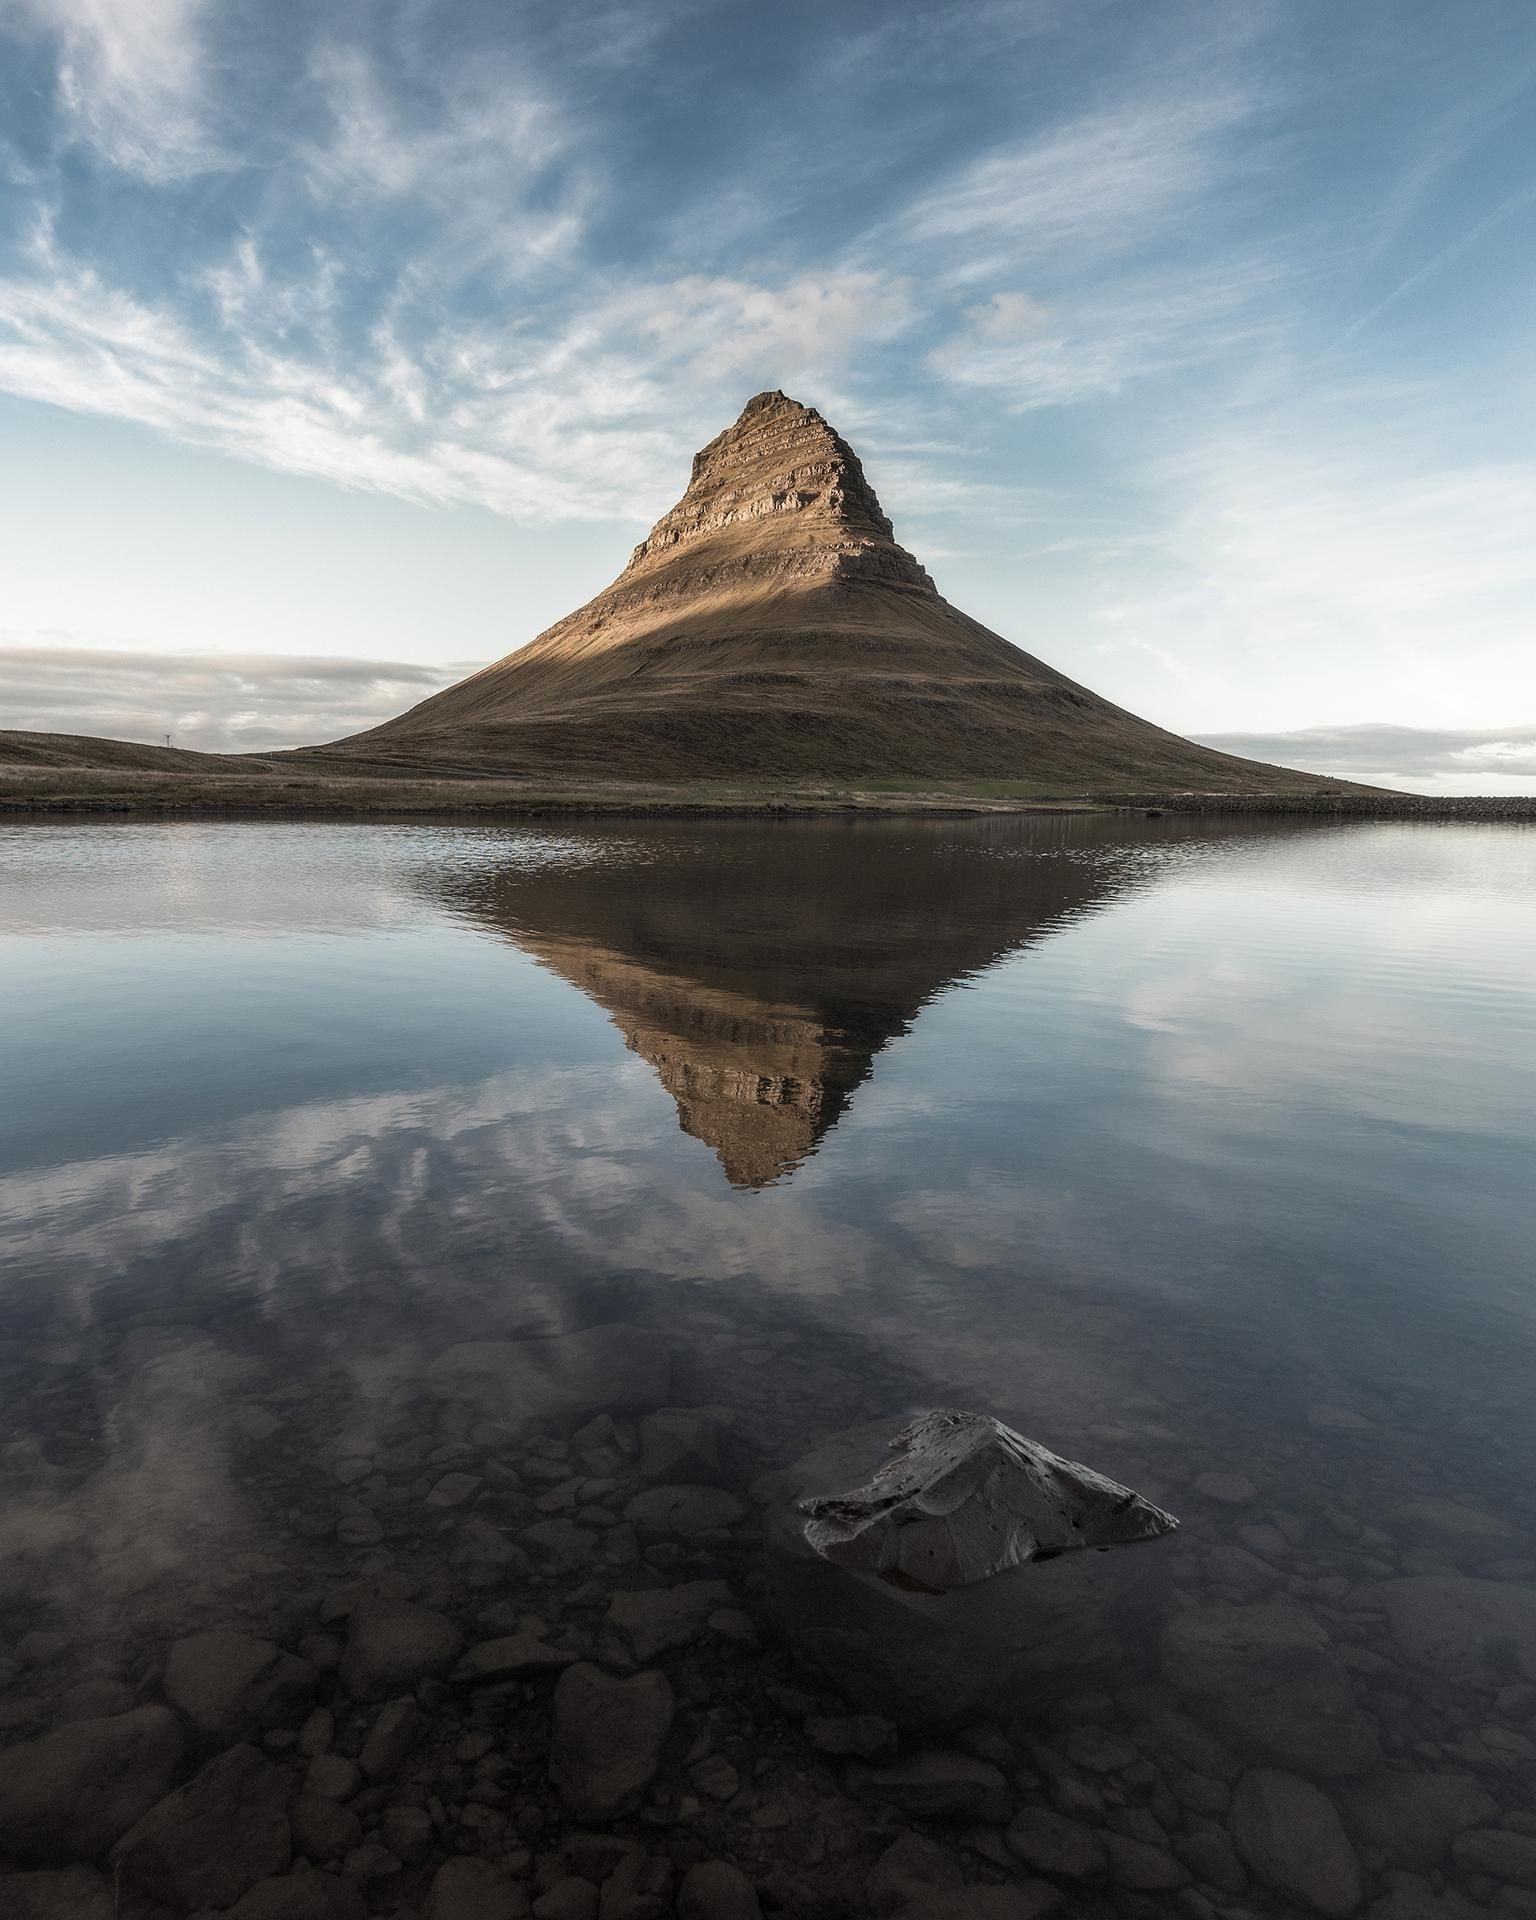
[[761, 972], [770, 626]]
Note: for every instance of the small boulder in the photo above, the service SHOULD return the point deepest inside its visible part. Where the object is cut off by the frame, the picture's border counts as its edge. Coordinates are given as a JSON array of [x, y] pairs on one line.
[[212, 1840], [226, 1684], [391, 1645], [569, 1899], [607, 1739], [1412, 1818], [1051, 1843], [912, 1865], [323, 1830], [70, 1794], [656, 1619], [301, 1896], [1275, 1687], [1461, 1628], [683, 1511], [1291, 1837], [1510, 1857], [716, 1890], [1142, 1867], [389, 1739], [468, 1889], [516, 1656], [936, 1785]]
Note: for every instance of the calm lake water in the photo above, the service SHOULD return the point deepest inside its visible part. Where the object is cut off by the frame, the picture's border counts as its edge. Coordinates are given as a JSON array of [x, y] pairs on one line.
[[1199, 1153]]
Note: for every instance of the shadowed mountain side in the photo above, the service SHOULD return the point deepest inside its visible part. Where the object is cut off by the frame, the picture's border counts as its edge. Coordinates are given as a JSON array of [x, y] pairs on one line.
[[761, 1037], [770, 625]]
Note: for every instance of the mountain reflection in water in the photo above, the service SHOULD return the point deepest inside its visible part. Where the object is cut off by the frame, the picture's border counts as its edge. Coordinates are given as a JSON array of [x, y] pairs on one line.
[[762, 973]]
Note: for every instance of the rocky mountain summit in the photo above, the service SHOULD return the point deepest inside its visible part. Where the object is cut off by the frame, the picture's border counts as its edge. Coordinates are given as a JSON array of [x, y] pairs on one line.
[[770, 625]]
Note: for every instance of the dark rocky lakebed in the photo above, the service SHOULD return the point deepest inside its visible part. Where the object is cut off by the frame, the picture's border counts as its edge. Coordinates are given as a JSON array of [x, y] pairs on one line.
[[436, 1259]]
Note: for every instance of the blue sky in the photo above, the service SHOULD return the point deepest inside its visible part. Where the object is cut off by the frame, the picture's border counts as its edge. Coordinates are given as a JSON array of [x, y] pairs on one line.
[[1190, 344]]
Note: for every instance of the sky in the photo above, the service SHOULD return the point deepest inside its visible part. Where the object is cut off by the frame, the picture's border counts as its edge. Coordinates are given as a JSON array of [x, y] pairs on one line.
[[1188, 343]]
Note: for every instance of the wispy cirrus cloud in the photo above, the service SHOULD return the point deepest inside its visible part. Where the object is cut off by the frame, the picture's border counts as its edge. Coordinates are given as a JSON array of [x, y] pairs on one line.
[[571, 417], [1087, 342], [215, 702], [130, 78], [1093, 186]]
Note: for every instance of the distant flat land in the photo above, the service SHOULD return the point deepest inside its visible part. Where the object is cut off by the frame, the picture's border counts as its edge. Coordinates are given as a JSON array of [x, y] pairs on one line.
[[51, 773]]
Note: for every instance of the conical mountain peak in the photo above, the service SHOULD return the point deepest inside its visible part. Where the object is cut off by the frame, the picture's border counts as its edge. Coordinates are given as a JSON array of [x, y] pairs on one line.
[[779, 482], [769, 627]]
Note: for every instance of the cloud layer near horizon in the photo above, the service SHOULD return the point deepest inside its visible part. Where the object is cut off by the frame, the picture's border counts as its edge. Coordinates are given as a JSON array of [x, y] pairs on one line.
[[214, 702], [1445, 760]]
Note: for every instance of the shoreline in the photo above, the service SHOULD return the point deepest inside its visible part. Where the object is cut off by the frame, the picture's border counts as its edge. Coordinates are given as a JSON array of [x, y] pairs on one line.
[[160, 797]]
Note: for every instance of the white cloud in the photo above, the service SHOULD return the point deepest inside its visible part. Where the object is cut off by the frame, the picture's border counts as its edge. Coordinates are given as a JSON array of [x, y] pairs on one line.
[[577, 421], [1088, 189], [129, 76], [1335, 557], [491, 157], [1095, 340]]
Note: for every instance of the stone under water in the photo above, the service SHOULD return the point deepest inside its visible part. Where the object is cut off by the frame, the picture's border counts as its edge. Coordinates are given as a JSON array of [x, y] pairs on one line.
[[965, 1498]]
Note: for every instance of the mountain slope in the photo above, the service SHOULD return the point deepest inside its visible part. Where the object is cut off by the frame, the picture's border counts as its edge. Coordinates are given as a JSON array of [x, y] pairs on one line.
[[770, 626]]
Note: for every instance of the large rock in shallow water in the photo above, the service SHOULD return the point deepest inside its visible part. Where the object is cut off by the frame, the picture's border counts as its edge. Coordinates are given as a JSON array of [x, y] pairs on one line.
[[391, 1645], [966, 1497], [226, 1684], [930, 1661], [562, 1376], [213, 1839], [1292, 1838], [70, 1794], [1467, 1630], [1276, 1689], [607, 1739]]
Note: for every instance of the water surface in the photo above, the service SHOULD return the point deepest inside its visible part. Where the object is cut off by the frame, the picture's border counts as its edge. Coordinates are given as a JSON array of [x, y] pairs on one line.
[[1191, 1150]]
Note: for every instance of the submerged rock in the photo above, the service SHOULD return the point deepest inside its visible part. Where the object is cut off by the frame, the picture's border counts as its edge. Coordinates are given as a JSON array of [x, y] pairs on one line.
[[966, 1497], [73, 1893], [73, 1792], [1292, 1838], [936, 1661], [212, 1840], [607, 1739], [1275, 1687], [391, 1644], [1412, 1818], [225, 1684], [1466, 1630]]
